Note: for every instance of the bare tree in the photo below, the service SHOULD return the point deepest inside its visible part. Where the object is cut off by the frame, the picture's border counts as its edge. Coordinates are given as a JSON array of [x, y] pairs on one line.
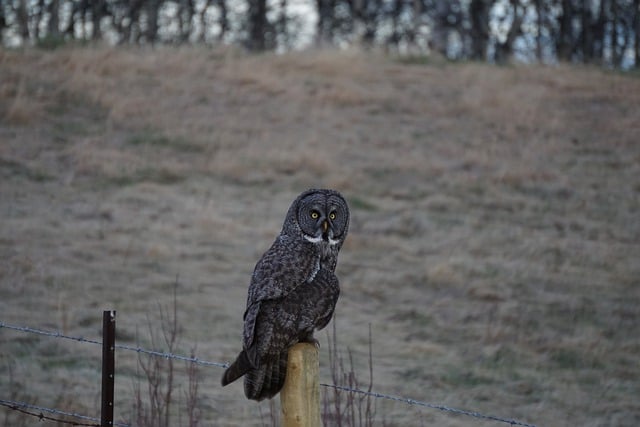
[[282, 25], [3, 23], [257, 25], [564, 38], [22, 18], [447, 19], [324, 26], [479, 31], [223, 20], [98, 9], [53, 26], [184, 14], [541, 13], [504, 49], [636, 32], [153, 13]]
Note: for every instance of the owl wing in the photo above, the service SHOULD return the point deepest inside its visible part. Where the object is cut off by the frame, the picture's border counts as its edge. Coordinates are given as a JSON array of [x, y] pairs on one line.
[[278, 273], [327, 284]]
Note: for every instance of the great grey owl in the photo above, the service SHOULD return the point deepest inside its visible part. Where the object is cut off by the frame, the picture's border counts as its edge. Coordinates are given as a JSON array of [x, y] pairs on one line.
[[293, 291]]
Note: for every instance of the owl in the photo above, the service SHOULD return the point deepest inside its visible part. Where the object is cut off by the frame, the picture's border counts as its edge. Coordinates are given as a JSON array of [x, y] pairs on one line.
[[293, 291]]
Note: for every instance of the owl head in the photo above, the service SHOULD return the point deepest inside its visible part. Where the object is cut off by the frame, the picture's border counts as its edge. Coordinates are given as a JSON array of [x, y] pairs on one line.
[[320, 216]]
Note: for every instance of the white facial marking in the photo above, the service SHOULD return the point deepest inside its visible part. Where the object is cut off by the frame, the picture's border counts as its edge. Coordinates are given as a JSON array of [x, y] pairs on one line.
[[319, 239], [313, 239]]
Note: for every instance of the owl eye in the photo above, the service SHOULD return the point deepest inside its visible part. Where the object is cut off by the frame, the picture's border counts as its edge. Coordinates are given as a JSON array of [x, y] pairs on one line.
[[332, 216], [314, 214]]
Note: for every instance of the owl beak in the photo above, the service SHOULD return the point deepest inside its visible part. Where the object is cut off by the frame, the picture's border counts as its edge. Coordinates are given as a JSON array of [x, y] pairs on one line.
[[325, 226]]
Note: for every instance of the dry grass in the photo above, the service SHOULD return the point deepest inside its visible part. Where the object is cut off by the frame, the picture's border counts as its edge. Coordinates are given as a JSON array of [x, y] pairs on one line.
[[494, 244]]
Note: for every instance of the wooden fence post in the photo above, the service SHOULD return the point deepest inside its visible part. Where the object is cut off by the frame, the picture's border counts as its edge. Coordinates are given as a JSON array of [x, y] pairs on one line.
[[108, 366], [300, 396]]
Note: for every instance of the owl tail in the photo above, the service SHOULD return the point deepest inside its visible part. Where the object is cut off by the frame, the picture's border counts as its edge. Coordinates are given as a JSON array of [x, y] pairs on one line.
[[237, 369], [267, 380], [262, 382]]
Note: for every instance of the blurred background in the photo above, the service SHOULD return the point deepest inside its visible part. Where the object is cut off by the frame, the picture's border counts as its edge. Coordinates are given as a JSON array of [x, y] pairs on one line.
[[592, 32], [488, 150]]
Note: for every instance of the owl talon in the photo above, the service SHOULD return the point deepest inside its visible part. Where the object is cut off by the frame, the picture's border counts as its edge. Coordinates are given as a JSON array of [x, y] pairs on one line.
[[312, 340], [309, 338]]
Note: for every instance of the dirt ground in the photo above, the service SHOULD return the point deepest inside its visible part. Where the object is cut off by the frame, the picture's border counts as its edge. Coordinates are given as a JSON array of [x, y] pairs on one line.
[[494, 249]]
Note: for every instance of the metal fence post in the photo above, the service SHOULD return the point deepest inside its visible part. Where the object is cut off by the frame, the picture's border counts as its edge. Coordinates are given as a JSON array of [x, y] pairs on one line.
[[108, 366]]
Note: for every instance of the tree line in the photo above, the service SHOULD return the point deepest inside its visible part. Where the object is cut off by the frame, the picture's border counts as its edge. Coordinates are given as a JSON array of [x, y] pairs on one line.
[[604, 32]]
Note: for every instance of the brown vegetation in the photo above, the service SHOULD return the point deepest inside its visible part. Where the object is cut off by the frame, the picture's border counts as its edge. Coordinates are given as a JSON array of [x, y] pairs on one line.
[[493, 249]]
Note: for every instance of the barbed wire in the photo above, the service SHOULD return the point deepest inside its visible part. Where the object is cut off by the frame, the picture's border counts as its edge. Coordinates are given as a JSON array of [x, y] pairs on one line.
[[165, 355], [47, 333], [225, 365], [23, 406], [429, 405]]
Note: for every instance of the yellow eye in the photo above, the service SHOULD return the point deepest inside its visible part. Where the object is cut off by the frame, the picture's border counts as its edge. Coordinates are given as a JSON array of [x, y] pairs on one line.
[[314, 215], [332, 215]]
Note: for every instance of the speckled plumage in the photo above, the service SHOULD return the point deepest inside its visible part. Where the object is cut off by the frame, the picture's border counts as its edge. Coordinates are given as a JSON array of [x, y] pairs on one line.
[[293, 291]]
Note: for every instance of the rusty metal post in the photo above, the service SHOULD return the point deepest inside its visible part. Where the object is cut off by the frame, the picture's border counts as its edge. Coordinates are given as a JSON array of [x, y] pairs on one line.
[[108, 366]]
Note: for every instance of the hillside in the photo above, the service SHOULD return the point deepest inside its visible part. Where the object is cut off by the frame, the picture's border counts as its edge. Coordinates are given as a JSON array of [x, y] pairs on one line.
[[493, 248]]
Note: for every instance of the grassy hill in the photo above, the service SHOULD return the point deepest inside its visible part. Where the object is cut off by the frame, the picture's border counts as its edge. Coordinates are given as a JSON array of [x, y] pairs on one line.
[[495, 241]]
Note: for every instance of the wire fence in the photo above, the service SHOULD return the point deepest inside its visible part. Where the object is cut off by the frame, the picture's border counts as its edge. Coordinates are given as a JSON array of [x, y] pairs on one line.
[[117, 346], [28, 409]]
